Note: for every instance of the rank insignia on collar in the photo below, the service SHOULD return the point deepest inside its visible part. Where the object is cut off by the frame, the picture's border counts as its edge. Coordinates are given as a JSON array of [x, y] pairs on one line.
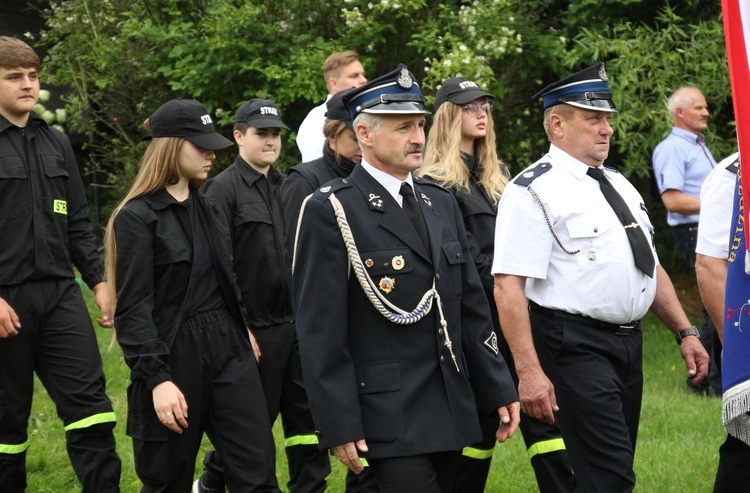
[[404, 79], [387, 284], [398, 262], [325, 189], [369, 262], [375, 201], [426, 200], [491, 343]]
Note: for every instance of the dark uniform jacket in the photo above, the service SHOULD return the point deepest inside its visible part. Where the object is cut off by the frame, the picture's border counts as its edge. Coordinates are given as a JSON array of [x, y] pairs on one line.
[[44, 222], [154, 277], [257, 230], [302, 180], [479, 215], [368, 378]]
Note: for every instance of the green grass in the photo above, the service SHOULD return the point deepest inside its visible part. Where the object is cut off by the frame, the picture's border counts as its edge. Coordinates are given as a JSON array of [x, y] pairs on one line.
[[677, 447]]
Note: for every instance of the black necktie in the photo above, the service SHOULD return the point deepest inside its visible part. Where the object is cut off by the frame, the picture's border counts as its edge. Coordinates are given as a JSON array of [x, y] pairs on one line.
[[411, 207], [644, 257]]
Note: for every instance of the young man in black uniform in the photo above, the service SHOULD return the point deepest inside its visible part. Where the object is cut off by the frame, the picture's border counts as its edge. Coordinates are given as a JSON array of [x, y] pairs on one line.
[[248, 193], [388, 381], [44, 324]]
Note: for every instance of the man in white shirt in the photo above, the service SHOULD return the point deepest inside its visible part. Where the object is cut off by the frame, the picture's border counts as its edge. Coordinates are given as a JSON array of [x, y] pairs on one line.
[[342, 70], [575, 271], [718, 194]]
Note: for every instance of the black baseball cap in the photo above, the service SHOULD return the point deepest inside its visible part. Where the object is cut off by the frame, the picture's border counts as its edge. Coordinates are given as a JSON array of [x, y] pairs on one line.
[[336, 109], [260, 113], [459, 90], [189, 119]]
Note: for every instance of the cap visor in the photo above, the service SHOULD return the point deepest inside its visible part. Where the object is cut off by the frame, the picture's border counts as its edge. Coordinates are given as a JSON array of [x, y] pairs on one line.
[[212, 141], [468, 97], [266, 123], [404, 108], [594, 105]]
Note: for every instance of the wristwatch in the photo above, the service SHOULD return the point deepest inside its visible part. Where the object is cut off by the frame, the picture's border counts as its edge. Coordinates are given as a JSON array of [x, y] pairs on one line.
[[691, 331]]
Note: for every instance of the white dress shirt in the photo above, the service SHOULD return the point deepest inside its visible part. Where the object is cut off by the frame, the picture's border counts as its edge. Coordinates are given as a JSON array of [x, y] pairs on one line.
[[600, 280], [310, 137], [717, 202]]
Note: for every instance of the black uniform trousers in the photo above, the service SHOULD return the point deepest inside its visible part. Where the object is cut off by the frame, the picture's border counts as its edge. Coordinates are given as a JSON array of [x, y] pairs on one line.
[[598, 382], [284, 389], [733, 475], [215, 370], [546, 449], [57, 341], [425, 473]]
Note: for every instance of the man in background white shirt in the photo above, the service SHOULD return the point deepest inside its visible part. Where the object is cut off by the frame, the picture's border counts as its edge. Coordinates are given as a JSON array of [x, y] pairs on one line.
[[342, 70]]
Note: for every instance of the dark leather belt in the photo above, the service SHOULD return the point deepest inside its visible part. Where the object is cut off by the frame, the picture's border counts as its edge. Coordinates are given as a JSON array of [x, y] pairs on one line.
[[617, 329], [687, 226]]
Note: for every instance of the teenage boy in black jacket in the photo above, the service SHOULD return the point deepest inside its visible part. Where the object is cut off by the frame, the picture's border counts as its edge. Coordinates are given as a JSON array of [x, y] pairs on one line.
[[248, 193]]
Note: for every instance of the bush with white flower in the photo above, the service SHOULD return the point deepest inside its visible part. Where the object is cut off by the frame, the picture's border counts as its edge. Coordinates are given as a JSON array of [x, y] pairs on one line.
[[55, 117]]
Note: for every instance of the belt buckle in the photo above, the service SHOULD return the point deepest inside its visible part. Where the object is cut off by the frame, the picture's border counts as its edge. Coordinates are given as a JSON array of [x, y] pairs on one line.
[[624, 330]]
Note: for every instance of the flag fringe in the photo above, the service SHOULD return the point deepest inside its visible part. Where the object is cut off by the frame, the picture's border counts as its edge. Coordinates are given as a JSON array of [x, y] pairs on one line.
[[735, 406]]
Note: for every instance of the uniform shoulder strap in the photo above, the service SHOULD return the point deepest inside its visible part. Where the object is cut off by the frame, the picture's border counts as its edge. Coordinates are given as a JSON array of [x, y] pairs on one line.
[[734, 166], [525, 178]]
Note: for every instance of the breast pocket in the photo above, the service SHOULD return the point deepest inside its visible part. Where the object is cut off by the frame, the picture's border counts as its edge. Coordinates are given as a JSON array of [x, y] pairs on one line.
[[455, 257], [252, 212], [592, 235], [173, 250], [379, 386], [57, 175], [390, 271], [14, 187]]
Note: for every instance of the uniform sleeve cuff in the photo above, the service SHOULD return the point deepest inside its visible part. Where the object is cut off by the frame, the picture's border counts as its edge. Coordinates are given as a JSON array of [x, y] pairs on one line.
[[160, 377]]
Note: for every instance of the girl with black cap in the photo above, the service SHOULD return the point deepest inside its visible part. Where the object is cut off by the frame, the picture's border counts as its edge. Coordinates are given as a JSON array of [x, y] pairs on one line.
[[461, 155], [179, 318]]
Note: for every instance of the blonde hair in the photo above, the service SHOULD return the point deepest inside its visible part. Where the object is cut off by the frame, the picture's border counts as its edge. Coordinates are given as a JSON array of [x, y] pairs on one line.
[[336, 61], [158, 168], [443, 161]]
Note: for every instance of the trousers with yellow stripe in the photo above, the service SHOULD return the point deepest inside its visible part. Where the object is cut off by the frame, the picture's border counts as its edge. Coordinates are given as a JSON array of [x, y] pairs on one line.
[[57, 341], [545, 448]]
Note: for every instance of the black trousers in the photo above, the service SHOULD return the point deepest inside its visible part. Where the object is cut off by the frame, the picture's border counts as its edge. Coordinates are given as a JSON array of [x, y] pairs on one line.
[[545, 446], [57, 341], [685, 239], [733, 475], [212, 363], [284, 390], [598, 382], [427, 473]]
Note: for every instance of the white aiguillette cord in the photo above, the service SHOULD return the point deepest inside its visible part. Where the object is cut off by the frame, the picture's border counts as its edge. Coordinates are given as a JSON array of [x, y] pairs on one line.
[[390, 311]]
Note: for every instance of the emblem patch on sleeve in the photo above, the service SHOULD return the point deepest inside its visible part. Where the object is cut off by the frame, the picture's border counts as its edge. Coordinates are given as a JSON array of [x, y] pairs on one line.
[[491, 343], [60, 206]]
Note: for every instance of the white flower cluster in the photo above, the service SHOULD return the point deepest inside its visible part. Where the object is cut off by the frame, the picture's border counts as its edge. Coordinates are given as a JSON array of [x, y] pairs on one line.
[[55, 118]]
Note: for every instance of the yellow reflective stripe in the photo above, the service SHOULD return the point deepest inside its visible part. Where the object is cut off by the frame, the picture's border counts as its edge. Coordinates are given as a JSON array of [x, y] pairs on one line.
[[92, 420], [14, 449], [301, 440], [546, 446], [477, 453]]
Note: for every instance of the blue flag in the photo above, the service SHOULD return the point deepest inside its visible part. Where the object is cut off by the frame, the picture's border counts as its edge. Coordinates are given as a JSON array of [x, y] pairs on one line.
[[736, 359]]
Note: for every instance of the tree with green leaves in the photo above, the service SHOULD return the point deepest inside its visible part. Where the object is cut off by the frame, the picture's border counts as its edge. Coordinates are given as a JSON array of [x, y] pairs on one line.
[[122, 58]]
